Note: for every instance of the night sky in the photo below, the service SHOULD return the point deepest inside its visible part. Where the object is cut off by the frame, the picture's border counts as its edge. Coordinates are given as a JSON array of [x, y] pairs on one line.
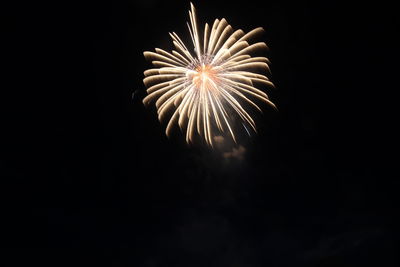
[[90, 179]]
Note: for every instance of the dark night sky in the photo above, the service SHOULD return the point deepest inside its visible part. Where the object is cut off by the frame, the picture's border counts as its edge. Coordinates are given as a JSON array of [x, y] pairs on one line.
[[90, 178]]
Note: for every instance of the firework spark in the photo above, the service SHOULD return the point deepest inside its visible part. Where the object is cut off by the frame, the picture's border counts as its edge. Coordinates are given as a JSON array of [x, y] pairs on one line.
[[206, 91]]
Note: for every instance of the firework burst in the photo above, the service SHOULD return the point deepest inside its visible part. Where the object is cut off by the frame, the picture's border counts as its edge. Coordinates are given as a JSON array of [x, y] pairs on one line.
[[206, 91]]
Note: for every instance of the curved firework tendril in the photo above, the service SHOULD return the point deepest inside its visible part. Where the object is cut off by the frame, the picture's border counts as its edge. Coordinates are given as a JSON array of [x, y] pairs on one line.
[[204, 90]]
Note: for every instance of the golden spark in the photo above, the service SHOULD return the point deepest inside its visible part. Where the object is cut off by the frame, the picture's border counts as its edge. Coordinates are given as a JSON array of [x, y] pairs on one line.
[[206, 91]]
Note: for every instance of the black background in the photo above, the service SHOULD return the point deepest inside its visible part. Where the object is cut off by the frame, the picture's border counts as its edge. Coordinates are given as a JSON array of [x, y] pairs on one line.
[[90, 178]]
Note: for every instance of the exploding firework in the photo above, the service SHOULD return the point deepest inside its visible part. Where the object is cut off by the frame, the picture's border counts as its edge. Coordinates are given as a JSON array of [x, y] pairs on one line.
[[210, 89]]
